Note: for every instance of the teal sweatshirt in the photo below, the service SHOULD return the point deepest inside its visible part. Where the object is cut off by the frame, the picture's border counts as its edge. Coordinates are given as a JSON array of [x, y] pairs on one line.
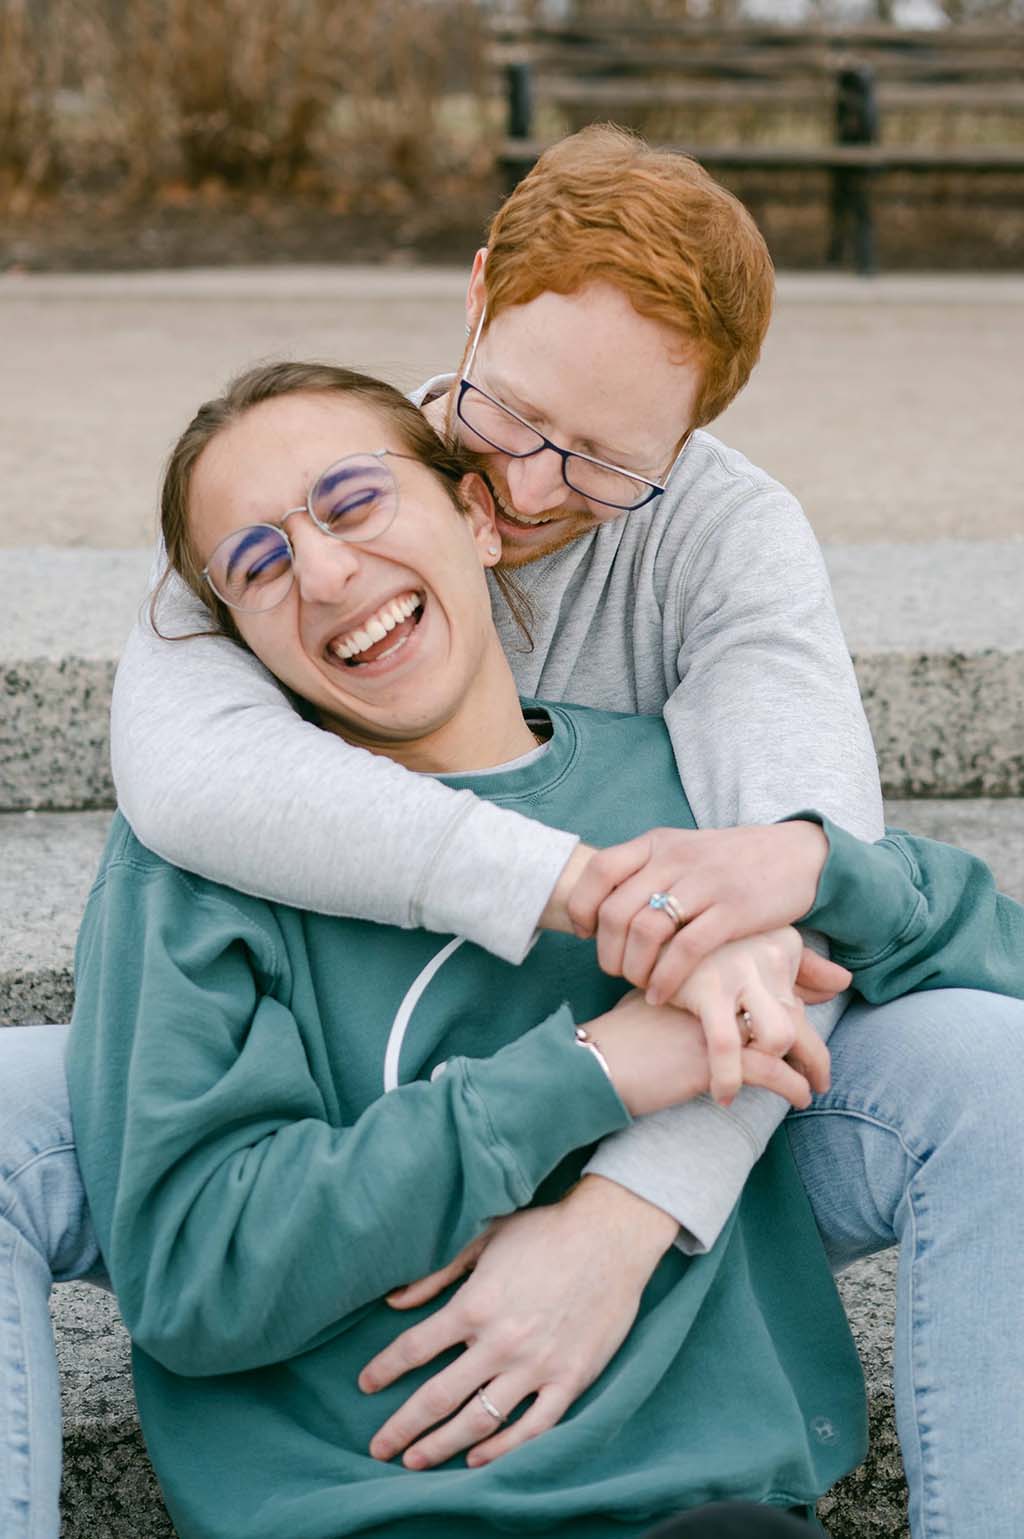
[[910, 913], [281, 1116]]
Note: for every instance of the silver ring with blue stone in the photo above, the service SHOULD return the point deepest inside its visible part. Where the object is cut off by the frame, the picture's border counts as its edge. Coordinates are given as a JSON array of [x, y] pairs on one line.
[[668, 905]]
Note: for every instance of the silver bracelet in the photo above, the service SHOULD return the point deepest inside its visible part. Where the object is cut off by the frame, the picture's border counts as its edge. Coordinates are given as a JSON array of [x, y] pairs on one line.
[[584, 1039]]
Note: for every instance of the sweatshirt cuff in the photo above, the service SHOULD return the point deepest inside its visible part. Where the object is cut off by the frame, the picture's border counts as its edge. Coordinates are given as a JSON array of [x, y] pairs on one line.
[[492, 878], [858, 904], [543, 1096], [691, 1161]]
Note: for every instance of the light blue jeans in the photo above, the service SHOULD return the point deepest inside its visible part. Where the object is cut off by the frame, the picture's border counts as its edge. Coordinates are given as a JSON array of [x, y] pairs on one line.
[[919, 1143]]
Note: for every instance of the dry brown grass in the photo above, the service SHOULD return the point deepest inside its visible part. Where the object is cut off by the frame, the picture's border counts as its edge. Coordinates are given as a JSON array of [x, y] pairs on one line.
[[257, 96], [32, 60], [273, 108]]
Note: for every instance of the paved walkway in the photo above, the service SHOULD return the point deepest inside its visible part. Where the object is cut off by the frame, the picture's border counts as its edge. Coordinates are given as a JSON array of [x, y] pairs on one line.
[[891, 407]]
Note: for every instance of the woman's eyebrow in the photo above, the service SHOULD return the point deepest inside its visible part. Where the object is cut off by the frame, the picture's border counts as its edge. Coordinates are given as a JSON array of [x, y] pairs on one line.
[[253, 536]]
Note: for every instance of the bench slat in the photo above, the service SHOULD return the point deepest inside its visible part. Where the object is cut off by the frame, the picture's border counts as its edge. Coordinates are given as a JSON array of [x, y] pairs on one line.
[[522, 152]]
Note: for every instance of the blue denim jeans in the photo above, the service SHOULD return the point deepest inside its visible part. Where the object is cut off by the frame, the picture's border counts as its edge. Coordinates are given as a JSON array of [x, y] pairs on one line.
[[917, 1144]]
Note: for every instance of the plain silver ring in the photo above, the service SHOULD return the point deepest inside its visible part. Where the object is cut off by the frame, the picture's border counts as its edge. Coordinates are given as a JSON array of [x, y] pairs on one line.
[[492, 1410]]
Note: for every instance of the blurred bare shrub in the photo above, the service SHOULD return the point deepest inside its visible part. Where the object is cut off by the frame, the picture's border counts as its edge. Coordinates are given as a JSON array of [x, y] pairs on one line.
[[251, 84], [415, 86], [32, 54], [255, 96]]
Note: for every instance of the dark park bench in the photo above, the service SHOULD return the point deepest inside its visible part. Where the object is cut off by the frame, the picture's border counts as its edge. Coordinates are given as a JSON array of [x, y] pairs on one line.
[[844, 103]]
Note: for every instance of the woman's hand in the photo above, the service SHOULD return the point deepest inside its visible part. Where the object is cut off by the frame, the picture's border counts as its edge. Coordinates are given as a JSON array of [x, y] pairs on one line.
[[728, 882], [553, 1293]]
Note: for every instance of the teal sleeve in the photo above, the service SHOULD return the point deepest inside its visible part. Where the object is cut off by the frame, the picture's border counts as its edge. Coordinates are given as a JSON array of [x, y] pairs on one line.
[[910, 913], [240, 1224]]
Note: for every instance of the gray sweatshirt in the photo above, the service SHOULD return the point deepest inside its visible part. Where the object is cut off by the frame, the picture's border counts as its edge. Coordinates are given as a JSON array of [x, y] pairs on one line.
[[711, 605]]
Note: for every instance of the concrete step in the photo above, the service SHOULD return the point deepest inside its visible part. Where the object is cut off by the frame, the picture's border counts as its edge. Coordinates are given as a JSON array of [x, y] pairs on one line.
[[109, 1490], [47, 866], [49, 859], [934, 629]]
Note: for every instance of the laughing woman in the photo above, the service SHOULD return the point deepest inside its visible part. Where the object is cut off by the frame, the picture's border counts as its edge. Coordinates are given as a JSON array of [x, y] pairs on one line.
[[282, 1117]]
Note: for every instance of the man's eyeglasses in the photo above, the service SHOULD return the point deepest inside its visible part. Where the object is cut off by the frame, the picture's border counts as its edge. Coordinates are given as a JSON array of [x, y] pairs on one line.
[[503, 429], [355, 499]]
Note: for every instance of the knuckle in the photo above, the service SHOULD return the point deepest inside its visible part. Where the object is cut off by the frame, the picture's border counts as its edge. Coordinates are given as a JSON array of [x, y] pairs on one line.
[[616, 911], [573, 1377], [474, 1316], [405, 1354], [776, 1035], [723, 1038], [647, 926], [602, 865], [512, 1337]]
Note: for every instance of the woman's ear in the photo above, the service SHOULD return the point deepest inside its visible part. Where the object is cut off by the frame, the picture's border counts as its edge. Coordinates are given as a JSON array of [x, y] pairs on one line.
[[478, 505], [476, 294]]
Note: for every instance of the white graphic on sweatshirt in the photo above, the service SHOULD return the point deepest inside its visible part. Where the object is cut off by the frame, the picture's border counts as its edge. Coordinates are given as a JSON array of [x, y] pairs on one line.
[[413, 995]]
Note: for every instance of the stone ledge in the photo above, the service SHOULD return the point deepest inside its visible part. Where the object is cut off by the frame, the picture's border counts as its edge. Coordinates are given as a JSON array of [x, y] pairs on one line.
[[934, 630], [67, 613], [49, 861], [109, 1490], [396, 280]]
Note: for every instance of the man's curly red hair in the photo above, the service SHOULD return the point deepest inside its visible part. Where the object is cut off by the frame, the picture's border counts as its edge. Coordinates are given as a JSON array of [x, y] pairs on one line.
[[603, 206]]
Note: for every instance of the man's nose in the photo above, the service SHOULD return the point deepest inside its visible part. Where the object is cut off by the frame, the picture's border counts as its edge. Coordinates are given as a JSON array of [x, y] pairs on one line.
[[537, 483], [323, 565]]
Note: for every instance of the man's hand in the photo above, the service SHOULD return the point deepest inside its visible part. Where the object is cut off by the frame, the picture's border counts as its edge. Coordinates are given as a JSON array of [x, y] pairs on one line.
[[729, 882], [552, 1294]]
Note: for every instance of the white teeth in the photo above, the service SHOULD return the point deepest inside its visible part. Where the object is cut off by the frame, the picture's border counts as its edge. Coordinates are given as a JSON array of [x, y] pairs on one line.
[[376, 627], [516, 518]]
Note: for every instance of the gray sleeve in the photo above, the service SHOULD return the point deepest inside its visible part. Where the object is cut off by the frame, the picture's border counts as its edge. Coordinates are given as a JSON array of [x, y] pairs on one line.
[[217, 773], [693, 1161], [767, 704], [767, 708]]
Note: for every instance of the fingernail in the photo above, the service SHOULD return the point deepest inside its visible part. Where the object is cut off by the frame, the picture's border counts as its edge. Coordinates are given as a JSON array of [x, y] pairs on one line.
[[414, 1461]]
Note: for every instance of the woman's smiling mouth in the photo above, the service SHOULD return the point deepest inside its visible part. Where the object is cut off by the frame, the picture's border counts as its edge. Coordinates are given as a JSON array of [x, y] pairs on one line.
[[381, 635]]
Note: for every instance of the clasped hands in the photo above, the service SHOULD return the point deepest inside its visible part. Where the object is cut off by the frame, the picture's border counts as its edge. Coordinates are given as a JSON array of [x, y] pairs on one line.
[[740, 889], [527, 1328]]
